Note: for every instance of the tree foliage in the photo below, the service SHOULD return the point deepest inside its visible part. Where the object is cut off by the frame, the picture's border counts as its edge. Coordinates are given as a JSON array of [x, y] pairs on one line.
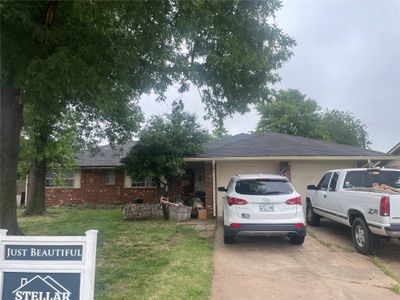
[[98, 57], [163, 144], [344, 128], [293, 113]]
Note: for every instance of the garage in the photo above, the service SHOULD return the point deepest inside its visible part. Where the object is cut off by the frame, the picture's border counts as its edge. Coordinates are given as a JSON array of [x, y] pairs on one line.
[[225, 170], [304, 173], [303, 160]]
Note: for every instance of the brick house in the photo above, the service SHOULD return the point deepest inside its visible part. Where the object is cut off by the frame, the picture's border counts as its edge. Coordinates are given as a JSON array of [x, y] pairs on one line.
[[101, 179]]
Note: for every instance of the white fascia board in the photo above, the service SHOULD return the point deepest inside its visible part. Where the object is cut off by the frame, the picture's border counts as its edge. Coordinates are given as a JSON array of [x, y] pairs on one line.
[[284, 158]]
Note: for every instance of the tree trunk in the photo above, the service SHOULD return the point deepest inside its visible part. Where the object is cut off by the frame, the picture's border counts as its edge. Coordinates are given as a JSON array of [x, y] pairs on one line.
[[36, 202], [11, 116]]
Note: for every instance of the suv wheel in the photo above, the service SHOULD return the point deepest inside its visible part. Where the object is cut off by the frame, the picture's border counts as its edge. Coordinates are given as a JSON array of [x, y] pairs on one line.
[[312, 218], [229, 239], [364, 240], [297, 240]]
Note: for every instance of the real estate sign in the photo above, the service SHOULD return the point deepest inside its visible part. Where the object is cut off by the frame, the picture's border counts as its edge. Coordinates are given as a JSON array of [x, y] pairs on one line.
[[47, 268]]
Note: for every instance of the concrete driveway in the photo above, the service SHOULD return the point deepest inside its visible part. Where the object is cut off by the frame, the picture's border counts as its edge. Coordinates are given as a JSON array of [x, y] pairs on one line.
[[335, 235], [272, 268]]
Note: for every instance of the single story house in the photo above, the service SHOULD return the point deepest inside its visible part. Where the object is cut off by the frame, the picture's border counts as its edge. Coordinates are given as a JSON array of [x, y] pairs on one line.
[[101, 179]]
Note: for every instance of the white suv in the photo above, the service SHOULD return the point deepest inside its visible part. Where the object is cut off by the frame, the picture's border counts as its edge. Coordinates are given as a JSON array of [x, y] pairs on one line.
[[262, 204]]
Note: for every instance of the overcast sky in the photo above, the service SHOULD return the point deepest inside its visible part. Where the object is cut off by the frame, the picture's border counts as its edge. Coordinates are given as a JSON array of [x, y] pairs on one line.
[[347, 57]]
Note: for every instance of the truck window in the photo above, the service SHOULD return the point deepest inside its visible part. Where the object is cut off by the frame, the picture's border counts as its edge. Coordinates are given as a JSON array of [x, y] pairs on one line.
[[332, 185], [366, 179], [323, 184]]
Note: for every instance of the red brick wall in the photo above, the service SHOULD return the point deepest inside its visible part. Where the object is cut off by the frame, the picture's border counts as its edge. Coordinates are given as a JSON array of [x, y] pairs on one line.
[[95, 191], [208, 186]]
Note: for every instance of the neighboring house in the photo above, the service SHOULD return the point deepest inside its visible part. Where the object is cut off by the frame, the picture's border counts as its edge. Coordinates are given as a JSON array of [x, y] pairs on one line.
[[100, 179], [395, 163]]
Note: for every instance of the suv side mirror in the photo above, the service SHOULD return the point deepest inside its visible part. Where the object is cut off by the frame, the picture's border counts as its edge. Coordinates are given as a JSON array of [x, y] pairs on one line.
[[312, 187], [222, 189]]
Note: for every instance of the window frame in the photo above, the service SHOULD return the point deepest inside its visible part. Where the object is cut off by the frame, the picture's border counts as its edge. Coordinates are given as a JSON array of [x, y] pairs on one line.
[[70, 180], [336, 183], [110, 173], [322, 179], [147, 183]]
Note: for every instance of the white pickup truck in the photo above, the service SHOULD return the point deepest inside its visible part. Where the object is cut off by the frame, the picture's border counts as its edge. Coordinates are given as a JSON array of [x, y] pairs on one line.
[[367, 200]]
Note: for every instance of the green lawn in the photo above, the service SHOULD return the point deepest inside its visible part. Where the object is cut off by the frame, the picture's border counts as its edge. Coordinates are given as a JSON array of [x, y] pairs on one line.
[[136, 260]]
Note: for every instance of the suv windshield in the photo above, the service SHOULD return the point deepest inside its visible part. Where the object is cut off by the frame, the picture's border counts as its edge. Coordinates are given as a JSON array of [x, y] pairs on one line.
[[369, 179], [263, 187]]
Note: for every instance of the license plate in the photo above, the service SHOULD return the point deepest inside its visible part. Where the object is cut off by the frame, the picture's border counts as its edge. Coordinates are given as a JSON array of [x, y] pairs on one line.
[[266, 207]]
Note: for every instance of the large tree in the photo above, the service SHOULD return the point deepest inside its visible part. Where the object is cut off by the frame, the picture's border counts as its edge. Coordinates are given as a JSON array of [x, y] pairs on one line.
[[162, 145], [53, 145], [95, 56], [293, 113], [344, 128]]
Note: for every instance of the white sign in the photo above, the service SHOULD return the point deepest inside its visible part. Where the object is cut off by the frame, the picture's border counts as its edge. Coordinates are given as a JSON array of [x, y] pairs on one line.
[[47, 267]]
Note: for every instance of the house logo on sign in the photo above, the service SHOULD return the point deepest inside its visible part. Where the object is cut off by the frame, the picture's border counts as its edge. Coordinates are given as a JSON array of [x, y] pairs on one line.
[[39, 288]]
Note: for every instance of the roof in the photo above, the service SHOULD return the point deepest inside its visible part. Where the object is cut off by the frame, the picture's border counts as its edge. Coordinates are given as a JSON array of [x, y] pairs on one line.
[[395, 150], [276, 144], [243, 146], [106, 156]]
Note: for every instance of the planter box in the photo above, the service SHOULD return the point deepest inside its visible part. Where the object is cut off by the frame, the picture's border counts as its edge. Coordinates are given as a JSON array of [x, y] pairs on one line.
[[142, 211], [179, 213]]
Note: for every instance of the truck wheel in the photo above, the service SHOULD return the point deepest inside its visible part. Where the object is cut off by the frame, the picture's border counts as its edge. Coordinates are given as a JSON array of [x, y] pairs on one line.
[[312, 218], [364, 240]]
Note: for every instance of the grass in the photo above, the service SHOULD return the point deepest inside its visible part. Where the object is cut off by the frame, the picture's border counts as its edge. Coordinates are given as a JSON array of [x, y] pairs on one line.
[[376, 260], [389, 272], [331, 246], [136, 260], [396, 288]]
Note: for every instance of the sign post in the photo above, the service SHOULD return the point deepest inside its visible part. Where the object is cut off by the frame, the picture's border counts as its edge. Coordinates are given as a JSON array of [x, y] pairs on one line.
[[47, 267]]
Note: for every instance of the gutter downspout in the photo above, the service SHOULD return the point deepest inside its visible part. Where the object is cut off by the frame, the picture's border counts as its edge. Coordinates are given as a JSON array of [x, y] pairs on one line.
[[214, 192]]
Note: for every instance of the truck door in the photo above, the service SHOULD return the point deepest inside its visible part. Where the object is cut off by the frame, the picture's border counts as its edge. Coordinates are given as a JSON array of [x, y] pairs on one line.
[[322, 188], [332, 202]]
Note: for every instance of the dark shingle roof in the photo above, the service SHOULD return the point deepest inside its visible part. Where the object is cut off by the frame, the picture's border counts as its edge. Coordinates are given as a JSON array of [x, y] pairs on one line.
[[276, 144], [106, 156], [241, 145]]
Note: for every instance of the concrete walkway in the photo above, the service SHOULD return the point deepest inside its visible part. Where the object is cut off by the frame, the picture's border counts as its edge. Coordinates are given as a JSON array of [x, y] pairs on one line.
[[272, 268]]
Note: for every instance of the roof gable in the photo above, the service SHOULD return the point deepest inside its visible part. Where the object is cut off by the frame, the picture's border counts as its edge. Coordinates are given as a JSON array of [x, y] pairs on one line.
[[395, 150]]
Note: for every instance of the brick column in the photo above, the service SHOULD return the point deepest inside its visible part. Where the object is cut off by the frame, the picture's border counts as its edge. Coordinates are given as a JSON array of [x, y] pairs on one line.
[[208, 186]]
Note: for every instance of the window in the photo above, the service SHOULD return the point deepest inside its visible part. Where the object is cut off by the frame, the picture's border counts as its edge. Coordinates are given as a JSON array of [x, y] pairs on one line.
[[263, 187], [332, 185], [60, 179], [323, 184], [148, 182], [368, 179], [110, 177]]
